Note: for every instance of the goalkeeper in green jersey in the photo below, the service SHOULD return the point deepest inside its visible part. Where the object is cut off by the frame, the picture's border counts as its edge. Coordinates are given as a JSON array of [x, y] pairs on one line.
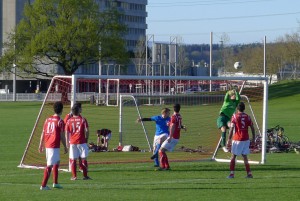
[[231, 100]]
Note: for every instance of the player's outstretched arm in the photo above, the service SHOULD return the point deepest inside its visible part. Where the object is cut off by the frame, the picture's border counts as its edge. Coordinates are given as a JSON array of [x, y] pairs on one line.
[[143, 119]]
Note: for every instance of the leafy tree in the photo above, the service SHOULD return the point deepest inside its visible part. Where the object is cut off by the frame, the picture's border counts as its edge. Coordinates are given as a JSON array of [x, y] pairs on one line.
[[65, 33]]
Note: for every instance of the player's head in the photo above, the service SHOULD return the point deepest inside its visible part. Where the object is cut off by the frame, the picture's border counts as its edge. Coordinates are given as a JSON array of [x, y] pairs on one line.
[[176, 107], [76, 109], [58, 107], [165, 112], [241, 107], [79, 106]]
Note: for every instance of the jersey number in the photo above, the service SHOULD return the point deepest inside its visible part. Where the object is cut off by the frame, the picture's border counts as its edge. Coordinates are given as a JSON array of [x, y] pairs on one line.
[[50, 127]]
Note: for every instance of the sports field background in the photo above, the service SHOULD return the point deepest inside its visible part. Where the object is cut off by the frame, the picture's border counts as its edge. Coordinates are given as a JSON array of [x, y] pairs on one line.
[[278, 179]]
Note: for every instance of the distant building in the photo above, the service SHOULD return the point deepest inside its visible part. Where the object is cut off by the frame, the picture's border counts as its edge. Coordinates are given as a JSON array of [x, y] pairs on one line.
[[11, 12]]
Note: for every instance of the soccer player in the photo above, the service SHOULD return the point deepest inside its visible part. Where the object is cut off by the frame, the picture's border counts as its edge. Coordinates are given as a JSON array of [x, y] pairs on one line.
[[77, 134], [239, 141], [67, 117], [175, 126], [231, 100], [103, 136], [161, 132], [53, 133]]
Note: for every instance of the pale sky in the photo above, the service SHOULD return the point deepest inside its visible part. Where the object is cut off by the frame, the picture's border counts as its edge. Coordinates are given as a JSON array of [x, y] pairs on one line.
[[244, 21]]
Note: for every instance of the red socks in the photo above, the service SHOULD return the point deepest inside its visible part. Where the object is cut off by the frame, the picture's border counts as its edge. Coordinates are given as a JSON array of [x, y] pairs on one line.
[[55, 173], [73, 167], [232, 164], [164, 163], [47, 173], [84, 167]]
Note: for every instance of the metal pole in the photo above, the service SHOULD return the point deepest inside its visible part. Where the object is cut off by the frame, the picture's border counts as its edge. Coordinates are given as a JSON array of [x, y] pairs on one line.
[[100, 73], [210, 59], [14, 82], [265, 61]]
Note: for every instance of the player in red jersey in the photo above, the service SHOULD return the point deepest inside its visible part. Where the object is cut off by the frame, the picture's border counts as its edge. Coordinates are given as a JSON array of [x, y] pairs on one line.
[[77, 134], [67, 117], [239, 141], [53, 133], [175, 126]]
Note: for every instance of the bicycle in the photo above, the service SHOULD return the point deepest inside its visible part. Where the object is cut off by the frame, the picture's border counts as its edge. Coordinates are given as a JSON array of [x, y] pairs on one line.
[[276, 141]]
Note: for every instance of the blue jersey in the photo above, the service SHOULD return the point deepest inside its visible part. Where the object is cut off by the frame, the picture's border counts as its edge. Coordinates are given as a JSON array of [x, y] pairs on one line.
[[161, 124]]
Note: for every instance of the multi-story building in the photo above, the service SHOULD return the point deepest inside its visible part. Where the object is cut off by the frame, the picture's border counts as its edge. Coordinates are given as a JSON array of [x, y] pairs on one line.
[[11, 11]]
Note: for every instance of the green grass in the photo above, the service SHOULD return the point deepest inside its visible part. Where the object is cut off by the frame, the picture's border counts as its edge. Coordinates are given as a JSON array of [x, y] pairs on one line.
[[278, 179]]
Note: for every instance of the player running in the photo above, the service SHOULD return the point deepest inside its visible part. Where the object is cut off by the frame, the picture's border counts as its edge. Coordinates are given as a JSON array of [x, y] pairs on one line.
[[161, 132], [53, 133], [240, 139], [231, 100]]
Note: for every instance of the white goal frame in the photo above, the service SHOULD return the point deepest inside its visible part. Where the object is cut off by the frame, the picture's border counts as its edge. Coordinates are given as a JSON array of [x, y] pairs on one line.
[[264, 80], [72, 97]]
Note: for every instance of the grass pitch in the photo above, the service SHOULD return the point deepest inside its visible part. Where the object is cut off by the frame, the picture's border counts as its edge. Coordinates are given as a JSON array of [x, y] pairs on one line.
[[278, 179]]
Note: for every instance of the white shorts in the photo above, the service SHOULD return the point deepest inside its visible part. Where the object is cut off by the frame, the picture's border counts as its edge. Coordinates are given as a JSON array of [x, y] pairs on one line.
[[107, 137], [169, 145], [52, 156], [240, 147], [157, 138], [78, 150]]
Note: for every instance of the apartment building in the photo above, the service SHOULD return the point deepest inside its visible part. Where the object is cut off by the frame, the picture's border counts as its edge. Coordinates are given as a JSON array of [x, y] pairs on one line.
[[11, 12]]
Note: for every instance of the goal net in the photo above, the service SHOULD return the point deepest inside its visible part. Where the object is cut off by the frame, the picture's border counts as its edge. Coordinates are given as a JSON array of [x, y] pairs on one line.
[[142, 97]]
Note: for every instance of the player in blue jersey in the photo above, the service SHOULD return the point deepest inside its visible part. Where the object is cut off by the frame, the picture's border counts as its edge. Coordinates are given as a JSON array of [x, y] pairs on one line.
[[161, 132]]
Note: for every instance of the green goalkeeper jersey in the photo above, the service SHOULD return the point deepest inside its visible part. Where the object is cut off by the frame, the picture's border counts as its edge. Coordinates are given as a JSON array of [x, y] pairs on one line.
[[229, 106]]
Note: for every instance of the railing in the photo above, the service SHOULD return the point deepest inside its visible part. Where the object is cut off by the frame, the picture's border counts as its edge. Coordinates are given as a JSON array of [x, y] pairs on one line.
[[23, 97]]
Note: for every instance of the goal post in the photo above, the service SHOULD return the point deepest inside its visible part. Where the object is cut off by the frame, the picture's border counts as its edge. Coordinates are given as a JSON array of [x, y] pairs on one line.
[[200, 110]]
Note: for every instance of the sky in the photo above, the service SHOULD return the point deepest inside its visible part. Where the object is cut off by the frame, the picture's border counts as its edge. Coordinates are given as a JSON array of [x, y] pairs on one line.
[[230, 21]]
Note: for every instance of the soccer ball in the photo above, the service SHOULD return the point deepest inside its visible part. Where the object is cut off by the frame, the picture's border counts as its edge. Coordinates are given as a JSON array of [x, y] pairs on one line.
[[237, 65]]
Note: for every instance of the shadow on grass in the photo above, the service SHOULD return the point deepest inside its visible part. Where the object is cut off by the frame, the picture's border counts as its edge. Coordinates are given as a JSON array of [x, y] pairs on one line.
[[284, 89]]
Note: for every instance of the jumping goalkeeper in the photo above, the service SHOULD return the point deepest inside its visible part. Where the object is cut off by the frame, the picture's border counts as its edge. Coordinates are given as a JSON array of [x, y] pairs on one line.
[[231, 100]]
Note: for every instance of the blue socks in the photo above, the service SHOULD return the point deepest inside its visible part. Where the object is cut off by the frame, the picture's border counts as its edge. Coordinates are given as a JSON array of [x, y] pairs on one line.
[[156, 159]]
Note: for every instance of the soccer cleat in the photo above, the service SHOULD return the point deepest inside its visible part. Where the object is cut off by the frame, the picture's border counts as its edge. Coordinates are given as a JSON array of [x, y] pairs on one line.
[[80, 170], [156, 165], [73, 178], [58, 186], [249, 176], [87, 178], [159, 169], [44, 188], [225, 149], [154, 156], [231, 176]]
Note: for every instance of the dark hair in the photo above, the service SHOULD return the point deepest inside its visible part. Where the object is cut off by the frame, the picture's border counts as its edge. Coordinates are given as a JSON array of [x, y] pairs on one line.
[[241, 107], [77, 105], [76, 109], [58, 107], [176, 107]]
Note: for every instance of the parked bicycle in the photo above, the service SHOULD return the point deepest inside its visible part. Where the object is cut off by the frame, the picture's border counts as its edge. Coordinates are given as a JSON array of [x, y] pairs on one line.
[[276, 141]]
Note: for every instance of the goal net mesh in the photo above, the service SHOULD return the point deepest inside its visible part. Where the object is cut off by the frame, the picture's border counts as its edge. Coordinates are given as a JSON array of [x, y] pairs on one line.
[[119, 109]]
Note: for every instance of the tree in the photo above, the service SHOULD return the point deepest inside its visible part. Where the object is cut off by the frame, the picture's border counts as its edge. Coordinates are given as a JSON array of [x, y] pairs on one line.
[[66, 33], [140, 55]]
